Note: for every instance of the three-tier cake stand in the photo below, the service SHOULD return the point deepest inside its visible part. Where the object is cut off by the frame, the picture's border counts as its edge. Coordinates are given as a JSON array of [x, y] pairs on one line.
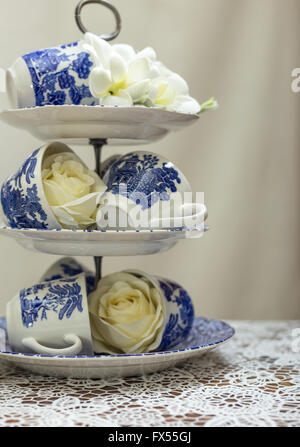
[[98, 127]]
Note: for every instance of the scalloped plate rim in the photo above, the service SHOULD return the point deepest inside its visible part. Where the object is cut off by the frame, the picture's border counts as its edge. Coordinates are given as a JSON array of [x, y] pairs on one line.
[[98, 107], [127, 231], [119, 125], [151, 355]]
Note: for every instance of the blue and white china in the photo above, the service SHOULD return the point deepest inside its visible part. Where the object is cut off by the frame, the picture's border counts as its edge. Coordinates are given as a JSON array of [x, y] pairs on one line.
[[52, 76], [78, 124], [67, 268], [23, 199], [178, 310], [179, 313], [205, 335], [51, 318], [106, 164], [145, 190]]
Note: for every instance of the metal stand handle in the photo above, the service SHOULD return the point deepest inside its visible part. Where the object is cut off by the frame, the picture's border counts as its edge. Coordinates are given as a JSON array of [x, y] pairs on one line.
[[98, 143], [108, 5]]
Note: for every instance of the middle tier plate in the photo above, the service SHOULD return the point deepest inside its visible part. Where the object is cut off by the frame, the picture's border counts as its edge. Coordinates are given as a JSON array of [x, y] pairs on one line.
[[100, 242]]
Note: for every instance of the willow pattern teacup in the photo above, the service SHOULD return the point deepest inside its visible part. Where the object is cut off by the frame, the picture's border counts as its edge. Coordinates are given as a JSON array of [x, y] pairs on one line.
[[145, 190], [52, 76], [30, 201], [67, 268], [23, 199], [51, 318]]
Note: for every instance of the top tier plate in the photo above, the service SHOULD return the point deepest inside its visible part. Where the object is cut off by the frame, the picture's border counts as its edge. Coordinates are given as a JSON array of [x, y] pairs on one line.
[[78, 124]]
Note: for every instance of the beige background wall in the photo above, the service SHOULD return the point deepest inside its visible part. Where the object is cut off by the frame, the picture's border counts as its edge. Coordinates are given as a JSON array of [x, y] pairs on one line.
[[245, 156]]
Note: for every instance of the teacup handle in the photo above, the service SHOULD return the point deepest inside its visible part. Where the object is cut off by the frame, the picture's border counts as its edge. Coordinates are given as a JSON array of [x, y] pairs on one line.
[[33, 344], [178, 220]]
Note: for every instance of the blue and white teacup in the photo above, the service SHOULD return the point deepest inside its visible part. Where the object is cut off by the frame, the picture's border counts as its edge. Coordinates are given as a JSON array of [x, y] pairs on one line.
[[51, 318], [145, 190], [23, 199], [52, 76], [67, 268], [132, 312]]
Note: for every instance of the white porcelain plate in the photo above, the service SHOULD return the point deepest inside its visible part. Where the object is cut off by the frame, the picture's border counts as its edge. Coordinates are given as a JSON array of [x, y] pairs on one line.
[[100, 243], [205, 335], [78, 124]]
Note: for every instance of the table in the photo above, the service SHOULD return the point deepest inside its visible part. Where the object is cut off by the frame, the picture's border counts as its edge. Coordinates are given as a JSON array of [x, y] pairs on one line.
[[253, 380]]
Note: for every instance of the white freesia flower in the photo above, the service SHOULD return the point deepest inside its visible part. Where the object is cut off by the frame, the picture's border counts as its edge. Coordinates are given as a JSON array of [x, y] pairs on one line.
[[72, 190], [123, 77], [120, 76], [127, 315]]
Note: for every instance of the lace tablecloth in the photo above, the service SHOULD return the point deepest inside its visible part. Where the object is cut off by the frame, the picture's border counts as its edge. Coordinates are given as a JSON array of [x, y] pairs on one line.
[[253, 380]]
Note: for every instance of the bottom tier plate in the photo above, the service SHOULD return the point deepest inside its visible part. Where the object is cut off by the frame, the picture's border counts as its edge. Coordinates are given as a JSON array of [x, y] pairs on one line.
[[205, 335], [100, 243]]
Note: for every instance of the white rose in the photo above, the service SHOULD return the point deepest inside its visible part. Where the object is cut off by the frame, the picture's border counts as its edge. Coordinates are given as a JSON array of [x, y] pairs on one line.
[[72, 190], [127, 315]]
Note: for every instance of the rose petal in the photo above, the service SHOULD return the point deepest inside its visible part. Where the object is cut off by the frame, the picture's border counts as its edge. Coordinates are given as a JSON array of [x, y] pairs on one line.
[[69, 219], [85, 205], [99, 185], [141, 285], [55, 193], [137, 329], [110, 335], [104, 285], [79, 212], [64, 218], [133, 315], [111, 340]]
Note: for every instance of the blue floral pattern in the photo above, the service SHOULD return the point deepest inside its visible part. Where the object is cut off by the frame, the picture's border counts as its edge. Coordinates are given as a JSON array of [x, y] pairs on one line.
[[140, 178], [21, 205], [62, 298], [60, 75], [69, 271], [180, 323]]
